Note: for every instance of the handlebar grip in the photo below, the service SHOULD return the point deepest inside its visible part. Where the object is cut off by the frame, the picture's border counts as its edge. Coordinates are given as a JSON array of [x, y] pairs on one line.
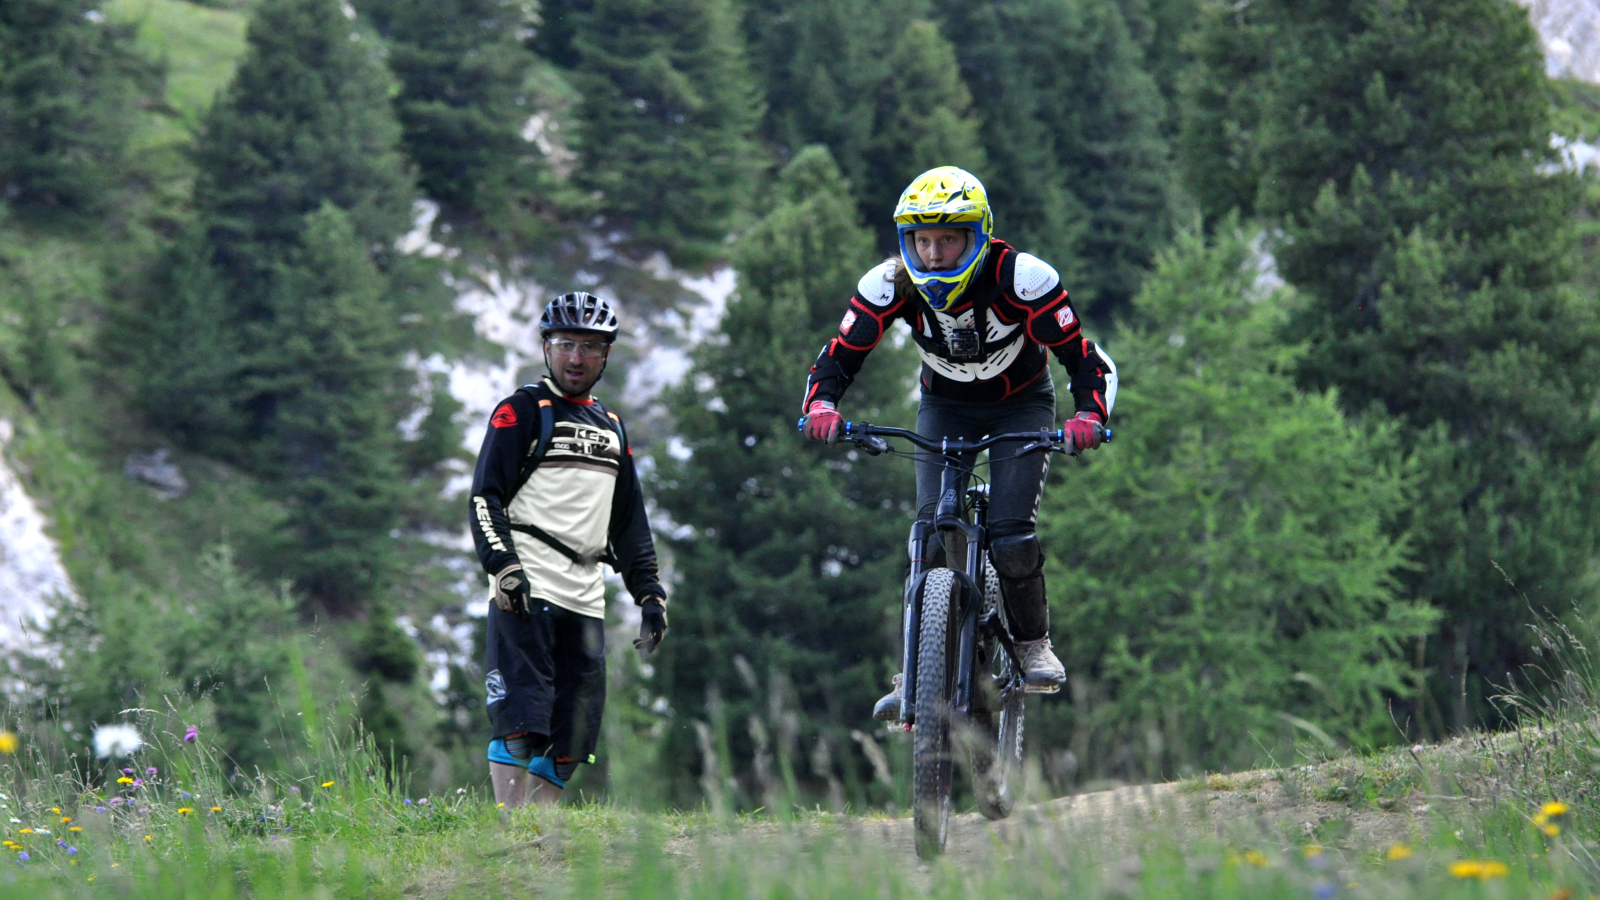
[[801, 425], [1108, 436]]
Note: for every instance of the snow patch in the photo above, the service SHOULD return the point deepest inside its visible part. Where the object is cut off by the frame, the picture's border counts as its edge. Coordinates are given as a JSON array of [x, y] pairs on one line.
[[33, 583], [1569, 33]]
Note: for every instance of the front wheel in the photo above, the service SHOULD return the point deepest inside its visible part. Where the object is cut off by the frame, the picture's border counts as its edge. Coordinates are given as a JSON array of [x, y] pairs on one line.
[[998, 708], [931, 759]]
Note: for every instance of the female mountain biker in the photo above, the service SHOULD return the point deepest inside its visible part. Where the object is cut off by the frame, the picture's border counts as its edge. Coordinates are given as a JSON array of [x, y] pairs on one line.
[[982, 315]]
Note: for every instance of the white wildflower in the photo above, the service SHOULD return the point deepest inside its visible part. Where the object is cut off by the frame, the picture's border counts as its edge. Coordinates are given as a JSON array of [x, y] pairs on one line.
[[116, 740]]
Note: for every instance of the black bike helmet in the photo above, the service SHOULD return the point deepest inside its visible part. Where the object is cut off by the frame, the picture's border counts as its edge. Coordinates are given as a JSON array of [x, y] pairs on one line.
[[579, 311]]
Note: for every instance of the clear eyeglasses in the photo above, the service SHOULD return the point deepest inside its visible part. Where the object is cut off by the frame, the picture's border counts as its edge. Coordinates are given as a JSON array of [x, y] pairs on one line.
[[569, 347]]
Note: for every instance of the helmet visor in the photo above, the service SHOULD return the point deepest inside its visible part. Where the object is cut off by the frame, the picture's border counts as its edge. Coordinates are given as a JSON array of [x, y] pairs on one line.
[[934, 251]]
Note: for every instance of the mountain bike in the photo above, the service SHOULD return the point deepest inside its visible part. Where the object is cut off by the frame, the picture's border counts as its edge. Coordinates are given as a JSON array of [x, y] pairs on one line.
[[962, 679]]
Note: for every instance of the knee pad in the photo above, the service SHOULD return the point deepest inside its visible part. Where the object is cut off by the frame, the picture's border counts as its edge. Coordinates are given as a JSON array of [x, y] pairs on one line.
[[550, 770], [1016, 555], [516, 749]]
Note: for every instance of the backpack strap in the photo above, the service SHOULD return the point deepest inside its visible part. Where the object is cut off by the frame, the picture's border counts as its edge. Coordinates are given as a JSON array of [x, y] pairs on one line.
[[547, 427]]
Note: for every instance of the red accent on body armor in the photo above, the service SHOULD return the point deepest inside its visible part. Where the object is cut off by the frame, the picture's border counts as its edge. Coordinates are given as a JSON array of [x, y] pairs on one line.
[[504, 417]]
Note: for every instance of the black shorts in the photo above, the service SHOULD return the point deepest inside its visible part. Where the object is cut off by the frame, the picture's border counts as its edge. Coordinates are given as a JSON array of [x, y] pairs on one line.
[[547, 677]]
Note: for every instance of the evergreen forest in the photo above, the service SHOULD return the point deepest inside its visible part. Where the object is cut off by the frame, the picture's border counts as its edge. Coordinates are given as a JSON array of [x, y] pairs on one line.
[[266, 265]]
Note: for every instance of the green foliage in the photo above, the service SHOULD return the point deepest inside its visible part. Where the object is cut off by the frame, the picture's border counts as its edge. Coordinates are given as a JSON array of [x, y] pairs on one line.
[[1162, 28], [1078, 170], [70, 87], [885, 116], [225, 647], [322, 385], [791, 567], [1228, 560], [271, 335], [463, 102], [47, 292], [664, 121], [305, 122], [199, 49], [1404, 151]]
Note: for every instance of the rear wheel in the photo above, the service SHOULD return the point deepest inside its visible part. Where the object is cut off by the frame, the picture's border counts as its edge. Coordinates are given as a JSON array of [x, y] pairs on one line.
[[930, 760]]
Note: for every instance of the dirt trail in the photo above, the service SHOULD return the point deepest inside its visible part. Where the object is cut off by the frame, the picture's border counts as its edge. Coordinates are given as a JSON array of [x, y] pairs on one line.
[[1247, 809]]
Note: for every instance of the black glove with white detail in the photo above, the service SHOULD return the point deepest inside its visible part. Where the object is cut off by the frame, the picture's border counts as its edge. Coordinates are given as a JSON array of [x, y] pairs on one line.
[[652, 625], [512, 594]]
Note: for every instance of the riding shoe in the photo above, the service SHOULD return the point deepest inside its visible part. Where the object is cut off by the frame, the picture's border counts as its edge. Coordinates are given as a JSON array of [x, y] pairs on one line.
[[1042, 673], [888, 708]]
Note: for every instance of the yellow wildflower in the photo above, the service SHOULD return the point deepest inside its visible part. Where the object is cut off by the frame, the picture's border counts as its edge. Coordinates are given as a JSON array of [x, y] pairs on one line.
[[1481, 869], [1254, 858], [1311, 850], [124, 780], [184, 811], [148, 838], [65, 819], [327, 784], [25, 831], [76, 828], [1554, 808], [1551, 830], [56, 810], [1398, 852], [8, 743], [216, 809]]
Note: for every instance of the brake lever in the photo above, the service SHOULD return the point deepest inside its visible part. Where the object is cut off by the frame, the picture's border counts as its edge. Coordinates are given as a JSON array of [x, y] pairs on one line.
[[873, 445]]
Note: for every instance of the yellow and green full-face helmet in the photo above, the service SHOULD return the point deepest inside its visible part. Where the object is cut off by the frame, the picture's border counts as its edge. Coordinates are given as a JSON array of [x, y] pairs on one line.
[[946, 197]]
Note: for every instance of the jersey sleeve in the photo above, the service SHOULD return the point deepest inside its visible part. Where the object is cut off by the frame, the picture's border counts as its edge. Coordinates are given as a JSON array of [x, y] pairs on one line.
[[630, 536], [513, 428], [1037, 298], [867, 316]]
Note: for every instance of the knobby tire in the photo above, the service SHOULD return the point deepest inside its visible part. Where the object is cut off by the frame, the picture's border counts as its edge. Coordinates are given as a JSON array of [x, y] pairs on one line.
[[931, 756]]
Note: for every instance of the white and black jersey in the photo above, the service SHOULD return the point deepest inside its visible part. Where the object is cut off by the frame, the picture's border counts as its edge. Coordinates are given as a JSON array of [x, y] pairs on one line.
[[584, 493]]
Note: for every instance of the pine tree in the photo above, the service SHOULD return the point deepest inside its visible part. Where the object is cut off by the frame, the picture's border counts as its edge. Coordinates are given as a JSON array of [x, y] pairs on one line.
[[1229, 557], [322, 383], [1078, 170], [307, 120], [71, 83], [665, 121], [1403, 149], [795, 558], [275, 335], [462, 103], [873, 82]]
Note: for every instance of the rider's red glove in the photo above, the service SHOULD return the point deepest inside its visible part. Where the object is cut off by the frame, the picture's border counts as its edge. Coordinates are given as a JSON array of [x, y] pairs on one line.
[[823, 422], [1084, 431]]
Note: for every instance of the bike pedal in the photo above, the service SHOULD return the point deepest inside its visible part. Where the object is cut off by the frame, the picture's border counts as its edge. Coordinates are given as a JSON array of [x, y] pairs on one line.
[[1041, 688]]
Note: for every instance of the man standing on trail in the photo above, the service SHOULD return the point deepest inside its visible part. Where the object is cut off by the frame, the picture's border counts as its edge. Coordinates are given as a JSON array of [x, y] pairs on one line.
[[985, 319], [554, 495]]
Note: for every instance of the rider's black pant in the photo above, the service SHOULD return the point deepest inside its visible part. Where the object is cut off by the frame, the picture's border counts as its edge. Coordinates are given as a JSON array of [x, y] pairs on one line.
[[547, 676], [1015, 485]]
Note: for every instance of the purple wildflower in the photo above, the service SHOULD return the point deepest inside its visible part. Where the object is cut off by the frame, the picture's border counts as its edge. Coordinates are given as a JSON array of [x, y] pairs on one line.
[[127, 771], [23, 856], [150, 772], [62, 844], [118, 801], [186, 795], [72, 851], [143, 810], [102, 808], [293, 789], [408, 801], [192, 734], [1323, 890]]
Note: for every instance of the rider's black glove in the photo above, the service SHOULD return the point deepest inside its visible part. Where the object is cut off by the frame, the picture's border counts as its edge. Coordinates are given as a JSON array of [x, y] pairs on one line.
[[652, 625], [511, 590]]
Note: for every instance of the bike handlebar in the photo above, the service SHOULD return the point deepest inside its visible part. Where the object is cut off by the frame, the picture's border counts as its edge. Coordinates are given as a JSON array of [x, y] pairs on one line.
[[870, 437]]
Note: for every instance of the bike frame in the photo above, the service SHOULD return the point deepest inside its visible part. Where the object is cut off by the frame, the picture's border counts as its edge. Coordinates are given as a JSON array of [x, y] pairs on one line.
[[949, 517]]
